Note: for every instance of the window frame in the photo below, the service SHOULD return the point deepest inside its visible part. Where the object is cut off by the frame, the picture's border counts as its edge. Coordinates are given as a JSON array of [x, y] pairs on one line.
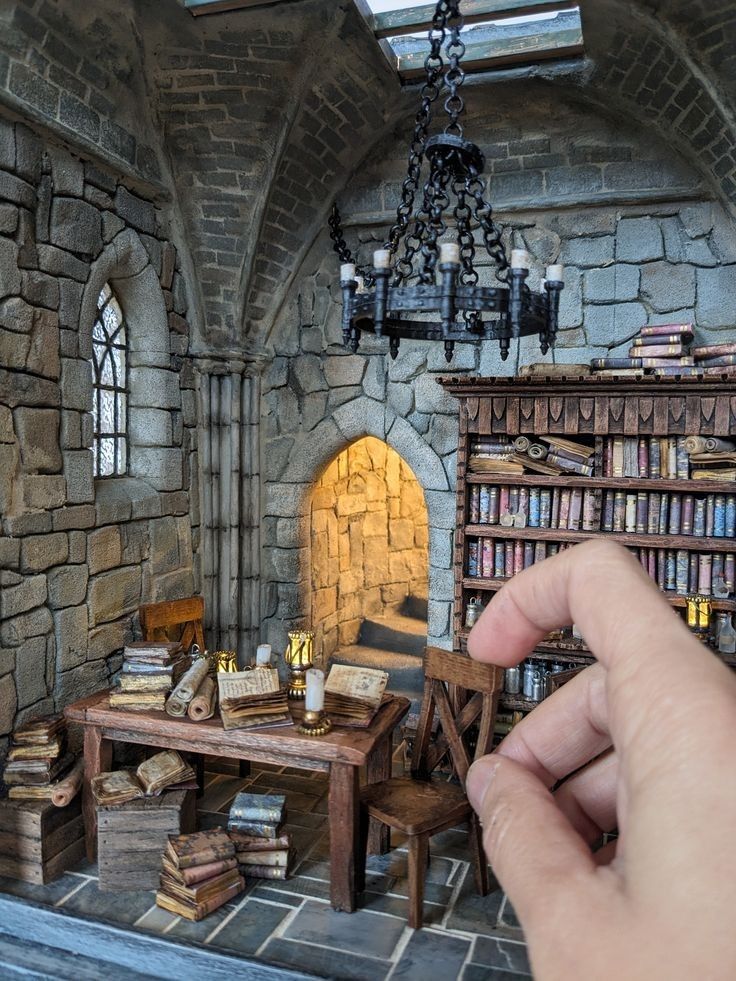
[[119, 389]]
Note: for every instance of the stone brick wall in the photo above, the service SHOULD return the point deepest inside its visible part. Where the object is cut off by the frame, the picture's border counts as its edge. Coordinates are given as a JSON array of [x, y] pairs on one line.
[[369, 541], [78, 555]]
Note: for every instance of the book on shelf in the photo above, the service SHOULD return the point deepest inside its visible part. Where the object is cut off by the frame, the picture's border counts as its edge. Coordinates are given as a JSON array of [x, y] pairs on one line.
[[200, 848], [722, 360], [198, 911], [154, 683], [598, 364], [258, 829], [657, 351], [569, 448], [250, 699], [162, 770], [649, 340], [353, 694], [684, 370], [713, 351], [729, 371], [257, 808], [196, 873], [620, 372], [481, 464]]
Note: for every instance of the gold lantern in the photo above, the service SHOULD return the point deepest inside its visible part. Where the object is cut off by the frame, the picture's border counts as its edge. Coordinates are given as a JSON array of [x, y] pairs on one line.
[[299, 655]]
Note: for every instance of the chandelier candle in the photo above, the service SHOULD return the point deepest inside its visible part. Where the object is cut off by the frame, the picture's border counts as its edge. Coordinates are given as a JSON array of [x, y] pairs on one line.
[[416, 272]]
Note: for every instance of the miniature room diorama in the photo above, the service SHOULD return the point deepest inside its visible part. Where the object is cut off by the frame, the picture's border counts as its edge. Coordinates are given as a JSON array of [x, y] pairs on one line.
[[319, 322]]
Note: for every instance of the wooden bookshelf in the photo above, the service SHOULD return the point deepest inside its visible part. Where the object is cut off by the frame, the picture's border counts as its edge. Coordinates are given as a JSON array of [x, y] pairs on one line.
[[587, 410]]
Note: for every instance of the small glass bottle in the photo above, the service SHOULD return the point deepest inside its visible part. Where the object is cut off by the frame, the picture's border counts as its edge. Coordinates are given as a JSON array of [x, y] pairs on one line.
[[727, 637]]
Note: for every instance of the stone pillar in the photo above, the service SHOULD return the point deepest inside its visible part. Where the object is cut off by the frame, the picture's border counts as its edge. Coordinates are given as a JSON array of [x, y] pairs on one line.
[[229, 401]]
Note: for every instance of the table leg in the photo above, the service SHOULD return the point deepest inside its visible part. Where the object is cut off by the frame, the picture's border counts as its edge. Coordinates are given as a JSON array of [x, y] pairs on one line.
[[343, 818], [379, 768], [97, 759]]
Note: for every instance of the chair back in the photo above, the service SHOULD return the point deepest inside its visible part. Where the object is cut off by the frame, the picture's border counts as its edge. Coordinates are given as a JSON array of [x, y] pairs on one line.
[[458, 691], [172, 620]]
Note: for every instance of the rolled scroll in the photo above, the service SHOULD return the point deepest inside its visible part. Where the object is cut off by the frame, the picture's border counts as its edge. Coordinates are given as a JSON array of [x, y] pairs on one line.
[[521, 443], [202, 706], [67, 789], [178, 701], [537, 452], [696, 444], [713, 445]]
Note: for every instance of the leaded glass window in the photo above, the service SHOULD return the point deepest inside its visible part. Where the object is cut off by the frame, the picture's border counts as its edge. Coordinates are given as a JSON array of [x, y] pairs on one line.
[[110, 368]]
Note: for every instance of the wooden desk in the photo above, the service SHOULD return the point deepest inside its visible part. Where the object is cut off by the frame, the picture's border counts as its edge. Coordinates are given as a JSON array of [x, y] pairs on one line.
[[341, 753]]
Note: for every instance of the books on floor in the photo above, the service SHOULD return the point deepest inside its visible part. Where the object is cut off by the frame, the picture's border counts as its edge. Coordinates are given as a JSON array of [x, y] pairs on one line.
[[255, 827], [353, 694], [252, 698], [199, 874], [162, 770], [150, 669]]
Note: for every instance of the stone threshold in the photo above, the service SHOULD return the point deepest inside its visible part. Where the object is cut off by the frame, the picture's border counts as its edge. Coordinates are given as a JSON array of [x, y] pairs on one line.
[[80, 943]]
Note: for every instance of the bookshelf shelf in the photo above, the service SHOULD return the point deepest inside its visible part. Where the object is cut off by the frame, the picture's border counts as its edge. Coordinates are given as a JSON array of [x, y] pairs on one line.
[[585, 410]]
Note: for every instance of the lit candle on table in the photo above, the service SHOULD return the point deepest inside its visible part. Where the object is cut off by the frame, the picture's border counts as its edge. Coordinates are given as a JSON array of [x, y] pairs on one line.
[[315, 697], [263, 655]]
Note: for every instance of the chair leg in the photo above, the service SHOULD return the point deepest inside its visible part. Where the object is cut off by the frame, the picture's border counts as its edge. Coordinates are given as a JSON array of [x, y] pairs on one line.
[[480, 861], [418, 855], [362, 856]]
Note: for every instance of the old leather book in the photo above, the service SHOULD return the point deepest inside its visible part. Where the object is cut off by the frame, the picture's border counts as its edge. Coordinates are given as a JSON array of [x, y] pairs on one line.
[[197, 911], [197, 872], [257, 808], [256, 843], [276, 859], [199, 892], [35, 772], [152, 776], [200, 848]]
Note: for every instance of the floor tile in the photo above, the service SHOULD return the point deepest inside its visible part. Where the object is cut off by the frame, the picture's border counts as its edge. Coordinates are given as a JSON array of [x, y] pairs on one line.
[[301, 886], [477, 972], [508, 915], [509, 955], [431, 957], [113, 907], [473, 913], [398, 906], [197, 931], [325, 963], [219, 794], [156, 920], [250, 927], [299, 782], [360, 932], [49, 894], [274, 896]]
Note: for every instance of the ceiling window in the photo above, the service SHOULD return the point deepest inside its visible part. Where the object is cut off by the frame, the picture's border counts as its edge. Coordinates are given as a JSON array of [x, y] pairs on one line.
[[496, 33]]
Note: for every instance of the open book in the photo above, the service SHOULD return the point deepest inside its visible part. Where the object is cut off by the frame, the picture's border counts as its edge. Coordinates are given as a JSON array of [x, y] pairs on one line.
[[353, 695], [252, 698], [152, 776]]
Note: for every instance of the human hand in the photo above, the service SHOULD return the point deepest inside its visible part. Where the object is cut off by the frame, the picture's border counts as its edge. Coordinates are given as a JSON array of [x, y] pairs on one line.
[[644, 740]]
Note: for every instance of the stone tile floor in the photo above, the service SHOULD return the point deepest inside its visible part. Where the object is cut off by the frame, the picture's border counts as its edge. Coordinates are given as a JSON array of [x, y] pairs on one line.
[[292, 924]]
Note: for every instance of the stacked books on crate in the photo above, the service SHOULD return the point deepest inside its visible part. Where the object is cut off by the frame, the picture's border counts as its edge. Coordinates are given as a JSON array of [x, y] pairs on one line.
[[150, 670], [255, 827], [199, 874], [38, 765], [716, 359], [164, 770], [254, 698], [353, 694], [659, 349], [550, 455]]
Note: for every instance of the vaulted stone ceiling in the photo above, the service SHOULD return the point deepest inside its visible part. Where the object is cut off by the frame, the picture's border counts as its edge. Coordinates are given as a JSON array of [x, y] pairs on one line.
[[265, 117]]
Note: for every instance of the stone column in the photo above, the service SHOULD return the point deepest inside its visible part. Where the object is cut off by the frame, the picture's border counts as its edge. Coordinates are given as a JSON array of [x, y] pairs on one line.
[[229, 402]]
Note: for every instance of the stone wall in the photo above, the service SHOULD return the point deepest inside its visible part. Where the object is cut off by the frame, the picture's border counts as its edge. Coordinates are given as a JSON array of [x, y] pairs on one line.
[[369, 541], [78, 555]]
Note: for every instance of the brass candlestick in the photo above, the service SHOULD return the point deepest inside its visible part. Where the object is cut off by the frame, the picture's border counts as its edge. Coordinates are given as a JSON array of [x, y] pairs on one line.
[[298, 656], [314, 723]]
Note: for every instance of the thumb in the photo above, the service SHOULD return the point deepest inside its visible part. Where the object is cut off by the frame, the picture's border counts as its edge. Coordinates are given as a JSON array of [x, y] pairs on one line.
[[536, 855]]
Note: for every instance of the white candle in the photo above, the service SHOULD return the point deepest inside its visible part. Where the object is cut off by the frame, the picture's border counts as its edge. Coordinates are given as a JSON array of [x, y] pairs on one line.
[[381, 259], [347, 271], [315, 697], [519, 259], [263, 655], [450, 252], [554, 273]]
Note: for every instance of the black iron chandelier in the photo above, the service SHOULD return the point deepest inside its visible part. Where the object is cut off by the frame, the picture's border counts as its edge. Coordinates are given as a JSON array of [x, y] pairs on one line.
[[426, 265]]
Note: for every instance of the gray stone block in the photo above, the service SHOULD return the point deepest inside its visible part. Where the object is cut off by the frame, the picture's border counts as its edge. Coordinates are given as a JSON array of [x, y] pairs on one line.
[[173, 585], [35, 623], [9, 552], [616, 283], [7, 433], [79, 476], [76, 225], [43, 354], [162, 468], [10, 277], [150, 427], [313, 409], [33, 523], [111, 226], [67, 172], [104, 549], [8, 219], [112, 502], [571, 300], [716, 303], [338, 370], [16, 315], [286, 500], [135, 211], [71, 427], [71, 628], [639, 240], [76, 384], [164, 554], [40, 289], [67, 586], [80, 682], [113, 594], [40, 552], [70, 299], [443, 434], [38, 437], [156, 388], [76, 517], [610, 325], [27, 595], [42, 492], [8, 704], [77, 546], [307, 376], [16, 190], [30, 671], [57, 262], [666, 287], [109, 638], [7, 144], [587, 252]]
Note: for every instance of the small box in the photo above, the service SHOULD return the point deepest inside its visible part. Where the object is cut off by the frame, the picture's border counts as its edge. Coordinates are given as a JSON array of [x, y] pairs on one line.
[[39, 842], [131, 838]]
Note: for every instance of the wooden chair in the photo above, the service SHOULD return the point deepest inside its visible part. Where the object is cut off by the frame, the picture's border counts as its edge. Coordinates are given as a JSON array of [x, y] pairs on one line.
[[180, 620], [420, 806]]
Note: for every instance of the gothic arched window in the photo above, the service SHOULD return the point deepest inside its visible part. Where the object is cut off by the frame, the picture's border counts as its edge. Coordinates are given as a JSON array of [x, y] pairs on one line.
[[110, 381]]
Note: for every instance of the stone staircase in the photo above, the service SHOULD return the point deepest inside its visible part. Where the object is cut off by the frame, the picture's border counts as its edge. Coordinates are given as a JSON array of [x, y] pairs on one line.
[[394, 642]]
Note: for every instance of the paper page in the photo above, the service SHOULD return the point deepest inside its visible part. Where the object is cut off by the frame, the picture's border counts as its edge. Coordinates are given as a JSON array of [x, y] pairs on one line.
[[237, 684], [367, 684]]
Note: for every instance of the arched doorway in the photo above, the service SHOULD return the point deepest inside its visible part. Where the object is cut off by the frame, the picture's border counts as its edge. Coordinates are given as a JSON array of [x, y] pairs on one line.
[[369, 556]]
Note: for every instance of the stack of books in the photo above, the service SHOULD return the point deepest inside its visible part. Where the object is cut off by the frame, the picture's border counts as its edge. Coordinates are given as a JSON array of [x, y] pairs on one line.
[[150, 670], [252, 698], [161, 771], [199, 874], [255, 827], [716, 359], [660, 349], [353, 695], [38, 759]]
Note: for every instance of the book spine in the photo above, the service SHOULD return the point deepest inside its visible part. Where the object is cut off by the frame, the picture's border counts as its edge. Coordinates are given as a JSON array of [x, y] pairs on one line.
[[643, 453], [730, 519], [590, 510], [682, 468], [653, 514], [719, 516], [564, 509], [682, 568], [473, 557], [545, 508], [630, 513], [619, 511], [534, 507], [688, 510], [264, 872], [607, 520], [487, 558], [710, 509], [693, 574], [655, 330], [675, 514], [484, 504], [729, 571], [699, 518], [528, 554], [518, 557], [705, 562], [474, 508], [509, 559], [261, 829], [642, 512], [499, 560], [503, 500]]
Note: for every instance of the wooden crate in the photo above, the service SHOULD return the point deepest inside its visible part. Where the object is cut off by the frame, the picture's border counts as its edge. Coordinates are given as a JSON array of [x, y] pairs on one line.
[[131, 838], [39, 842]]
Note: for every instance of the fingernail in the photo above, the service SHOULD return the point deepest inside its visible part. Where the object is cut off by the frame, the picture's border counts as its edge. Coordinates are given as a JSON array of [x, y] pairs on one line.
[[480, 776]]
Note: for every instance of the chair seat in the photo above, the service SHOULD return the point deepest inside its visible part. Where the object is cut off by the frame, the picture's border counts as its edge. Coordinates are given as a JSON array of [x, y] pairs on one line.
[[416, 806]]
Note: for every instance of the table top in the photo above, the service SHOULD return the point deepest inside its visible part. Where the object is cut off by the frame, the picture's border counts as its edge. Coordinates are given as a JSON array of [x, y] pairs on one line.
[[341, 745]]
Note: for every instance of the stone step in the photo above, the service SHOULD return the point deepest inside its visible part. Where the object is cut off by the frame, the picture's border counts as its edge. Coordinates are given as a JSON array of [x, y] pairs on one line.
[[414, 606], [394, 632], [405, 674]]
